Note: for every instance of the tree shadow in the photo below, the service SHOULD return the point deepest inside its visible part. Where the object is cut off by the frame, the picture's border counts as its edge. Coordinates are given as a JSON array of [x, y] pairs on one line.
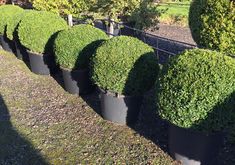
[[15, 149]]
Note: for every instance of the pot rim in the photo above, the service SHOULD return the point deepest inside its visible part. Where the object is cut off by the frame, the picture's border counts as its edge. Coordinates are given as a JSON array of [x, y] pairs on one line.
[[115, 94], [222, 132]]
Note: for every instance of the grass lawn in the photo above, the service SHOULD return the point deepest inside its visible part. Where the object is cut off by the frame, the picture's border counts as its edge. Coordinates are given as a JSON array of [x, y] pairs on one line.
[[42, 124], [175, 14]]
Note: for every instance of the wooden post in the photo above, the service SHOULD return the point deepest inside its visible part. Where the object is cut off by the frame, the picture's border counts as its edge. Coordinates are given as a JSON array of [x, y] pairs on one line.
[[70, 20], [111, 28]]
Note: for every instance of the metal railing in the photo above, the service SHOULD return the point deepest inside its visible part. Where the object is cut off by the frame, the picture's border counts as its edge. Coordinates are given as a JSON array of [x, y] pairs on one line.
[[164, 47]]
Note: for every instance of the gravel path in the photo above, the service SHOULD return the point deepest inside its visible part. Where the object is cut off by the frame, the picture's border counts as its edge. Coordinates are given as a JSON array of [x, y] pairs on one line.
[[177, 33]]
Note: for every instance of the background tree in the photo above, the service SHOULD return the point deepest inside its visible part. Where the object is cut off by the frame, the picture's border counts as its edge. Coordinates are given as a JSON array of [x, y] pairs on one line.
[[146, 16], [76, 8]]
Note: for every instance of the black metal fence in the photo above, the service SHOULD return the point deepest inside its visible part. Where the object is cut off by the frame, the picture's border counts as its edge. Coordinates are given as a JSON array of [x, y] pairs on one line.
[[164, 47]]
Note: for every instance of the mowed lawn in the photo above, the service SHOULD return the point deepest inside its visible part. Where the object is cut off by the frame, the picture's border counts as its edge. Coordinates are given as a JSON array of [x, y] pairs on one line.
[[175, 13]]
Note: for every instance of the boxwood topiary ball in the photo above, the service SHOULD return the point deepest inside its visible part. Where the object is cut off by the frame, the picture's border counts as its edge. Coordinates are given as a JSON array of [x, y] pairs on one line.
[[13, 23], [74, 47], [7, 13], [197, 90], [37, 30], [125, 65], [212, 24]]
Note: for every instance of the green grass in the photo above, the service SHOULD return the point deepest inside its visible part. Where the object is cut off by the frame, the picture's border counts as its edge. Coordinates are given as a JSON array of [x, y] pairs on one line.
[[175, 14], [49, 126]]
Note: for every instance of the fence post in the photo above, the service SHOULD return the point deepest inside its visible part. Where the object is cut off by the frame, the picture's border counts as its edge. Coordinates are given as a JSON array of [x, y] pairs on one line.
[[70, 20], [111, 28]]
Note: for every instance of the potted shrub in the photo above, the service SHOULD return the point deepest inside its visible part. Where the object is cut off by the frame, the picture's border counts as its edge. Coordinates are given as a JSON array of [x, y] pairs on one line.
[[212, 24], [7, 13], [196, 94], [123, 68], [11, 34], [37, 32], [73, 49]]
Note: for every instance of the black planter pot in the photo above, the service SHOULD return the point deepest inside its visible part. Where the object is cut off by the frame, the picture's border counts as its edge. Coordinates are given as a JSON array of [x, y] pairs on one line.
[[122, 110], [77, 81], [42, 64], [7, 44], [21, 52], [194, 148]]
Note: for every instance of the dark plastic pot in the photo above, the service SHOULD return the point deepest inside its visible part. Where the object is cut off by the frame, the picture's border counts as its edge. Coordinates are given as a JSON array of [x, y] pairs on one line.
[[194, 148], [21, 52], [122, 110], [42, 64], [7, 44], [77, 81]]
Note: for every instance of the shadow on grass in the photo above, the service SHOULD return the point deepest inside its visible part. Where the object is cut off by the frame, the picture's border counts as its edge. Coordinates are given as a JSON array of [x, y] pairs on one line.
[[93, 100], [15, 149], [150, 125]]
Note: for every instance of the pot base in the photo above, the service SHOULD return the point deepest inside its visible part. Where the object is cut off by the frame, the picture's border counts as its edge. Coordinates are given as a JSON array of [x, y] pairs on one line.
[[121, 110], [194, 148]]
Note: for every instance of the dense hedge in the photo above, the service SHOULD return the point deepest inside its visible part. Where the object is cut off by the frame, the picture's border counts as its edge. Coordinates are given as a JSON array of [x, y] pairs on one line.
[[125, 65], [74, 47], [37, 30], [7, 12], [212, 24], [197, 90]]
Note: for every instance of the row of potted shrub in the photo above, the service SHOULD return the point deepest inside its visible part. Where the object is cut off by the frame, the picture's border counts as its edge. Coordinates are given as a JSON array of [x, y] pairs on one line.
[[195, 91]]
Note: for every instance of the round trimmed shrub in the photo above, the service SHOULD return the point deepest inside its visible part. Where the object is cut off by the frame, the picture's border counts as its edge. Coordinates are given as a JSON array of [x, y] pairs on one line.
[[125, 65], [212, 24], [37, 30], [13, 23], [197, 90], [74, 47], [7, 12]]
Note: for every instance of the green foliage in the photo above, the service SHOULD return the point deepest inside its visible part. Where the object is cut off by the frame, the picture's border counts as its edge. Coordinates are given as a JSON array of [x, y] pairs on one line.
[[125, 65], [7, 13], [38, 29], [74, 47], [115, 9], [146, 16], [197, 90], [63, 7], [13, 23], [212, 24]]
